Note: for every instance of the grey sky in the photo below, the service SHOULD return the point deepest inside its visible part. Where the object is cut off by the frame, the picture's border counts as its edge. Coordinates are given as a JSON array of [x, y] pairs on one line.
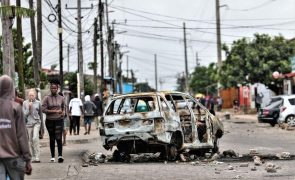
[[261, 16]]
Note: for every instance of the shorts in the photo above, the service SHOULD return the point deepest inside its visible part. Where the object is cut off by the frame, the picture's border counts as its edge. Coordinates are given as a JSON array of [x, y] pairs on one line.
[[87, 120]]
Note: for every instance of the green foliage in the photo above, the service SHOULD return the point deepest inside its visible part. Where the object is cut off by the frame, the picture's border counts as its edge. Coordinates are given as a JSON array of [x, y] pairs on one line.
[[27, 60], [252, 61], [11, 11], [72, 79], [204, 79]]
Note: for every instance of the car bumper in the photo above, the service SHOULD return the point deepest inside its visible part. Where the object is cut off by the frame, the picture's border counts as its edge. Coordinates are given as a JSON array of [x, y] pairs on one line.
[[266, 120]]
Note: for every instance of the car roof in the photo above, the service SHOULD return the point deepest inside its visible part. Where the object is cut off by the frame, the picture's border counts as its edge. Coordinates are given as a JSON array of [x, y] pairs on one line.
[[284, 96], [137, 94]]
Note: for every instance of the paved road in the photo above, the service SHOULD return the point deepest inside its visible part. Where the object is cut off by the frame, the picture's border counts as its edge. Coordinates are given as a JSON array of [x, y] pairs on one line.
[[242, 134]]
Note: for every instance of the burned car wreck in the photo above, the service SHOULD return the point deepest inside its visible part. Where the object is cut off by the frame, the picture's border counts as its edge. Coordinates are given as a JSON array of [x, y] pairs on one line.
[[159, 122]]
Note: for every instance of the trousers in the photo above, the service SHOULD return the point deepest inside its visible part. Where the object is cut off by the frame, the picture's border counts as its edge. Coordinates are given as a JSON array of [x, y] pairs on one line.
[[34, 140], [13, 167]]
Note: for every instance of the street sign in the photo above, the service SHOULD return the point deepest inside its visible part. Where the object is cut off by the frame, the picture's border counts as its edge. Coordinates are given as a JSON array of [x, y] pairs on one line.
[[292, 60]]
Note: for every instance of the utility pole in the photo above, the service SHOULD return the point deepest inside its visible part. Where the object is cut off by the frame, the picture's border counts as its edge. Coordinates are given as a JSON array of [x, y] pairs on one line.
[[61, 74], [39, 35], [115, 66], [35, 53], [132, 79], [21, 83], [95, 54], [80, 51], [100, 10], [80, 48], [68, 54], [185, 58], [127, 61], [218, 33], [156, 72], [197, 60]]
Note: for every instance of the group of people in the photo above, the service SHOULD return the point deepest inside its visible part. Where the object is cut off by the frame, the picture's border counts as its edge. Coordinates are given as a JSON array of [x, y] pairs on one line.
[[22, 125], [209, 102]]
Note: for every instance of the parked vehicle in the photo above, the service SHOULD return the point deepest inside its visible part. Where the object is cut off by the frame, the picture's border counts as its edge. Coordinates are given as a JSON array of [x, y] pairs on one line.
[[166, 122], [271, 112], [287, 110]]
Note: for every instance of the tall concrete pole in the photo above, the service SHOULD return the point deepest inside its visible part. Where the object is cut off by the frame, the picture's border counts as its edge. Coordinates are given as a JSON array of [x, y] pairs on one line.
[[218, 33], [61, 74], [156, 72], [21, 84], [39, 35], [95, 54], [185, 58], [80, 51], [100, 10]]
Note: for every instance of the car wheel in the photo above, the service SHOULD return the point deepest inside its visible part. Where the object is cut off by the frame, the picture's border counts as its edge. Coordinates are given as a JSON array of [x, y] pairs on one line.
[[172, 152], [290, 120]]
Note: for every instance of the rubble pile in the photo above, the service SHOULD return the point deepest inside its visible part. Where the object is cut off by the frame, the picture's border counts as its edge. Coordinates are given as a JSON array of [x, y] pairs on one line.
[[252, 161]]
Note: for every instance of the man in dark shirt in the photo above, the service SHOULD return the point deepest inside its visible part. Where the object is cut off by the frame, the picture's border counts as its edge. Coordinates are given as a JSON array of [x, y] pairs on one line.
[[98, 112]]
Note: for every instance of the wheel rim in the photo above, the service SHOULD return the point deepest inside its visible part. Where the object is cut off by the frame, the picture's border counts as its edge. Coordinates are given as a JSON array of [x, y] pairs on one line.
[[291, 120]]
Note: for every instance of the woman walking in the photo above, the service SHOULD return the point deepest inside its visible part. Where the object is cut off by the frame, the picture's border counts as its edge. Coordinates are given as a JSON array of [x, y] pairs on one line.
[[89, 108], [34, 120], [54, 107]]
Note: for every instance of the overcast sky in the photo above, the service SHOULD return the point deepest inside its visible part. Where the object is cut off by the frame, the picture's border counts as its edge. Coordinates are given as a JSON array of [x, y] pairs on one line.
[[155, 27]]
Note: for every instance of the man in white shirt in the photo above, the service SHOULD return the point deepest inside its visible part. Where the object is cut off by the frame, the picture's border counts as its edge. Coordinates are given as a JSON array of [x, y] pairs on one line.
[[75, 112]]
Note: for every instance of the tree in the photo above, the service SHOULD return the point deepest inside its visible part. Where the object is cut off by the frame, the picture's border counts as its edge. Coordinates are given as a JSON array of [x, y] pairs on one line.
[[27, 61], [204, 79], [8, 13], [72, 79], [253, 61]]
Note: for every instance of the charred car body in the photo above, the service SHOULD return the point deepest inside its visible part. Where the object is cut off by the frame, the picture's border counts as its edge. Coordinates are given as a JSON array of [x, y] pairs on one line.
[[159, 122]]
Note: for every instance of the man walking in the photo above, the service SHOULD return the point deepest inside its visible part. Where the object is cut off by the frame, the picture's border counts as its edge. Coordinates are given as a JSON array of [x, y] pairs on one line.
[[76, 111], [98, 111], [15, 157]]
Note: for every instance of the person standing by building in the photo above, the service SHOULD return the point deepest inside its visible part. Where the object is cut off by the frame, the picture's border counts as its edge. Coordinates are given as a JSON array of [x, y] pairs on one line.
[[76, 111], [34, 120], [219, 103], [89, 109], [15, 156], [98, 111], [258, 101], [53, 106]]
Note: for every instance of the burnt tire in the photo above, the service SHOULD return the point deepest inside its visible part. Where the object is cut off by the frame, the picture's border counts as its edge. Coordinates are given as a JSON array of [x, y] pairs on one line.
[[172, 152]]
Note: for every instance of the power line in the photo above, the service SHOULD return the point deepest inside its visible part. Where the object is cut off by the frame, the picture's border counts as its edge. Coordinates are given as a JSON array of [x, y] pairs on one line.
[[255, 7]]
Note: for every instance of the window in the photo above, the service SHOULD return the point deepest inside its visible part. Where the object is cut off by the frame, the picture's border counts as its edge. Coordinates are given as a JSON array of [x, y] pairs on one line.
[[131, 104], [292, 101], [164, 105]]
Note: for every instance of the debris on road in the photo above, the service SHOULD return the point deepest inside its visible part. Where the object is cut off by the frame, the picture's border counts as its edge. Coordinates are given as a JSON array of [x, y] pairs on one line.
[[271, 168], [230, 167], [244, 165], [238, 177], [253, 168], [284, 155], [215, 157], [230, 153], [257, 161], [144, 157], [182, 158]]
